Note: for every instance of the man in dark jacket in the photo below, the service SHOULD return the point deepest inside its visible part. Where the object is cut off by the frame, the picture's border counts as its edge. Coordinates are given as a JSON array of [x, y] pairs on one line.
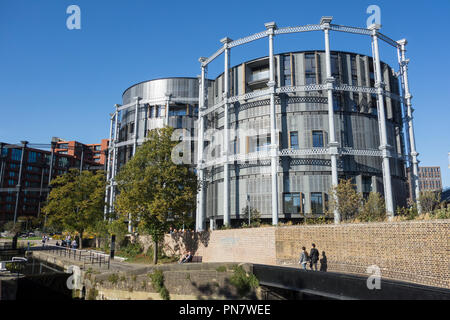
[[314, 257]]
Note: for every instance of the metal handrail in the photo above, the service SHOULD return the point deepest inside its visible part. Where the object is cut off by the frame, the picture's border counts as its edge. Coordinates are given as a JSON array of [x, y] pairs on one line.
[[87, 256]]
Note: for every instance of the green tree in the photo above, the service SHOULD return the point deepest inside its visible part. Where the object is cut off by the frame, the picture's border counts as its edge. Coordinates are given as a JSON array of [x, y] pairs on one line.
[[255, 216], [153, 190], [373, 209], [429, 200], [348, 199], [76, 201]]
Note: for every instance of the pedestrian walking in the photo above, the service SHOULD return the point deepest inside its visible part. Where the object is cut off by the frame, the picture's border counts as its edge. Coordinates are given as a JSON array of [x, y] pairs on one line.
[[314, 257], [323, 262], [303, 258]]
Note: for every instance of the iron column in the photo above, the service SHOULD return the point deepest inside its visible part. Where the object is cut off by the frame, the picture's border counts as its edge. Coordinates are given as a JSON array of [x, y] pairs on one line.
[[333, 144], [200, 214], [271, 26], [384, 147], [412, 141], [226, 173]]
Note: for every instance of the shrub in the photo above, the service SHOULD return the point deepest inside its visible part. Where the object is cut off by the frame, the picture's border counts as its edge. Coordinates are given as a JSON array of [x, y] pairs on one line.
[[131, 250], [429, 200], [348, 199], [157, 278], [221, 269], [373, 208], [92, 294], [243, 282], [113, 278]]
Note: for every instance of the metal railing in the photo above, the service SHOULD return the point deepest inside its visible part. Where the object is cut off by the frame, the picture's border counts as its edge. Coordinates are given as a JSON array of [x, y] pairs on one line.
[[86, 256], [14, 266]]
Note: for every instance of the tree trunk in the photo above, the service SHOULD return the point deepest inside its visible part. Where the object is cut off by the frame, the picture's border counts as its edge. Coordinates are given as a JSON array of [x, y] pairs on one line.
[[155, 251], [81, 240]]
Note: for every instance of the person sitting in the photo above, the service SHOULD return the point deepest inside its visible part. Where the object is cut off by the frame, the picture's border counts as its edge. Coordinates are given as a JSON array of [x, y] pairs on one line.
[[186, 258]]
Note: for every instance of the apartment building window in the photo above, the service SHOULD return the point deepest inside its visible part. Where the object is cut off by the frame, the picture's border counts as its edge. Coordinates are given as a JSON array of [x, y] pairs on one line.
[[317, 139], [355, 103], [366, 186], [131, 127], [293, 203], [32, 157], [263, 142], [335, 66], [310, 68], [11, 182], [63, 146], [354, 70], [293, 139], [316, 203], [16, 154], [287, 70], [4, 152], [337, 103]]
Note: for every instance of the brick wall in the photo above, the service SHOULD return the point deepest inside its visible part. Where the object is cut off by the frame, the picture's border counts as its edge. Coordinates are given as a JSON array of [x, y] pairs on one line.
[[413, 251], [235, 245]]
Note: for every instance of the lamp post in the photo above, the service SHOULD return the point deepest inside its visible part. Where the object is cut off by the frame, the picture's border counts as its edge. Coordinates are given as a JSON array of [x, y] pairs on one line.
[[24, 145]]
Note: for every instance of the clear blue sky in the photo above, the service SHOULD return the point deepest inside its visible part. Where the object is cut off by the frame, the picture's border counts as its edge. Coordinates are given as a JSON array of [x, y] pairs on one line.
[[60, 82]]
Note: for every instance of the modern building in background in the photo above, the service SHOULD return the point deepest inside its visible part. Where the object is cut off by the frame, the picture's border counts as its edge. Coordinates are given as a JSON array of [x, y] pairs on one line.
[[24, 179], [290, 126], [88, 152], [145, 106], [430, 179]]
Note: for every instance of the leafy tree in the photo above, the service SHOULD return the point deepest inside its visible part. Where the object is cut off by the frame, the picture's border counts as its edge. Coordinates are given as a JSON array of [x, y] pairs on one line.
[[255, 216], [348, 199], [153, 190], [11, 227], [76, 201], [429, 200], [373, 209]]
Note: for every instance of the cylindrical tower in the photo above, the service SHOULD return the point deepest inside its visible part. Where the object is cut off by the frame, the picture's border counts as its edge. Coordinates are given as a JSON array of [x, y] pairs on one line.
[[149, 105], [302, 120]]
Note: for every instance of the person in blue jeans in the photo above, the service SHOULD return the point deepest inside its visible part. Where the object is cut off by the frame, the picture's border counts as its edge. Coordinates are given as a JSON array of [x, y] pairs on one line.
[[303, 258]]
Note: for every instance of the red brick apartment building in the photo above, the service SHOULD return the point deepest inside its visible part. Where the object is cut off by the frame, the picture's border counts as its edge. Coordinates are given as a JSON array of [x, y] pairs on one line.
[[89, 152], [34, 177], [430, 179]]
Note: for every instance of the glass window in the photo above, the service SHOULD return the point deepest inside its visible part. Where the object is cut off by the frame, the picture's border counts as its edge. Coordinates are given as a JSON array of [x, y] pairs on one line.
[[316, 203], [177, 111], [317, 139], [63, 146], [310, 68], [4, 152], [263, 142], [334, 65], [292, 203], [16, 154], [32, 157], [293, 136], [337, 102], [287, 70]]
